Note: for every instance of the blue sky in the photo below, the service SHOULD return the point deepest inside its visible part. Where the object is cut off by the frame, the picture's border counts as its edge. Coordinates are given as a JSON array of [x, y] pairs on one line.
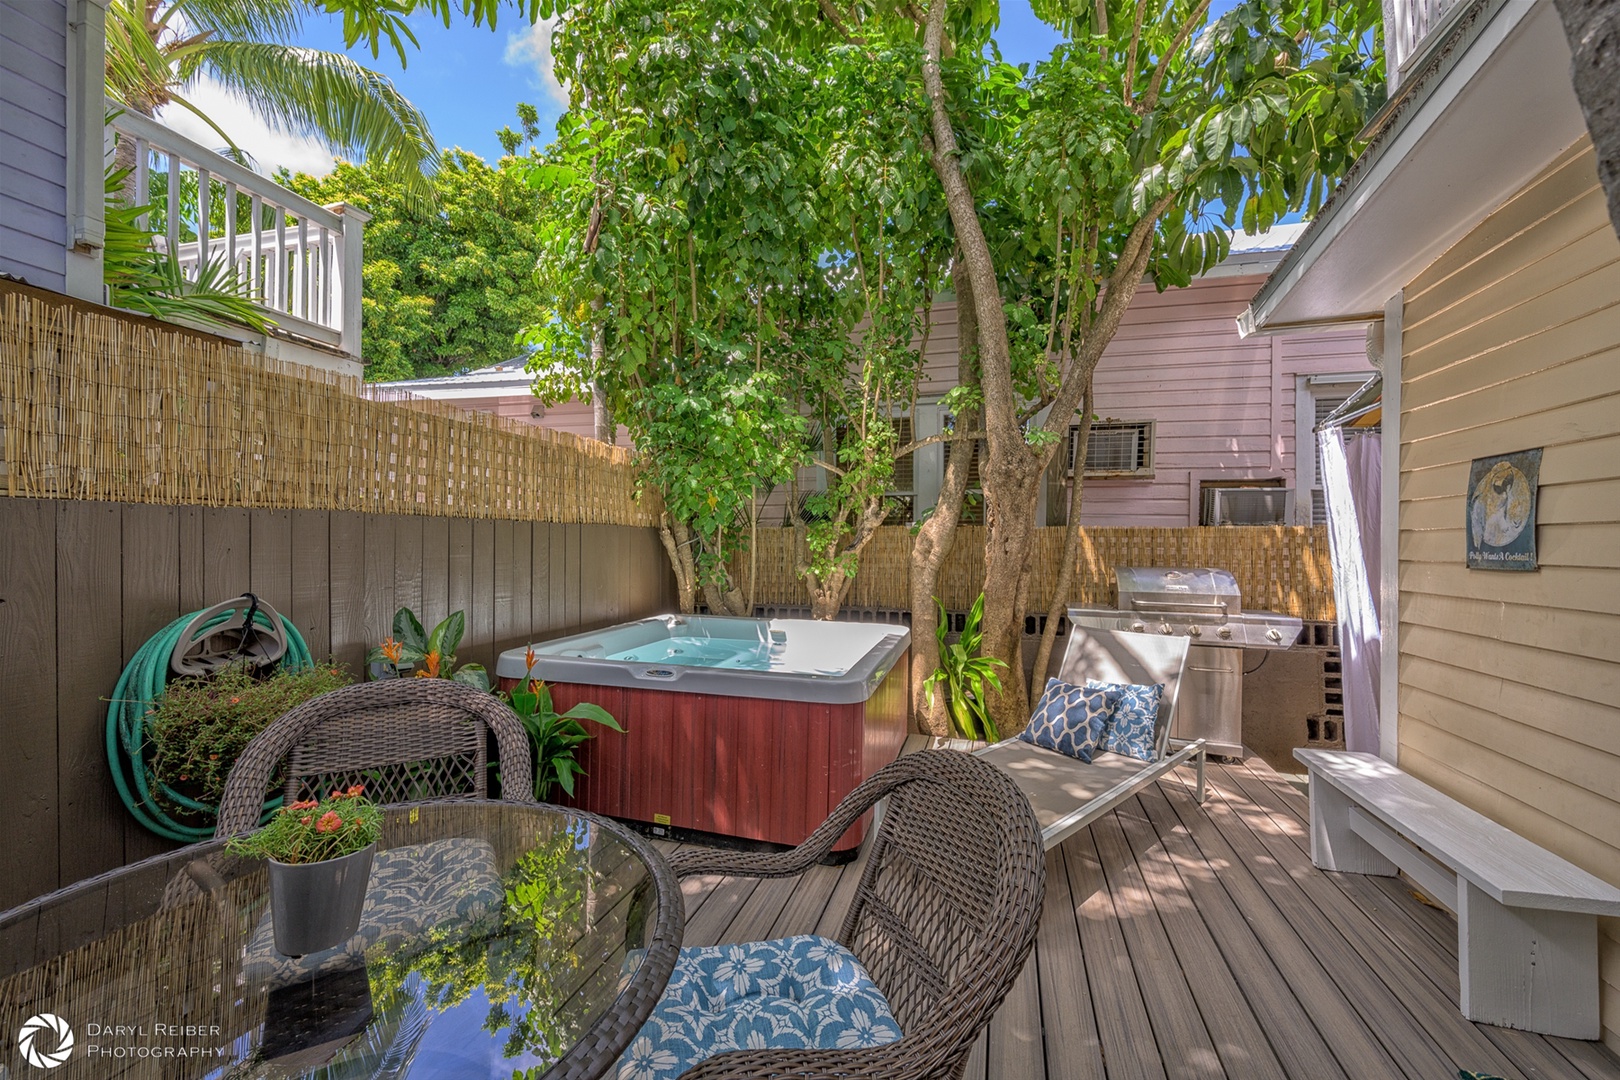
[[468, 80]]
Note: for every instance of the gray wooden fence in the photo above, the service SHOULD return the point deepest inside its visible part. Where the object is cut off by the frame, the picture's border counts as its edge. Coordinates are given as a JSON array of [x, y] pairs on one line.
[[84, 584]]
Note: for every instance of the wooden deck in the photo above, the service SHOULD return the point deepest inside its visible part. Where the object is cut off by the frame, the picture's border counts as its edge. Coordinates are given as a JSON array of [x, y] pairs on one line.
[[1187, 941]]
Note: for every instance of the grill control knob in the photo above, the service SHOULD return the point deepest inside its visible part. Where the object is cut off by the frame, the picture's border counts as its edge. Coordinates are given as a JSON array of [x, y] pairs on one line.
[[1138, 627], [1195, 631], [1274, 634], [1224, 632], [1164, 628]]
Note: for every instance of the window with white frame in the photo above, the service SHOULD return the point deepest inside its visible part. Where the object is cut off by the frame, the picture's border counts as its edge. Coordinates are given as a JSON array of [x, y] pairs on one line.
[[1315, 400], [1116, 448]]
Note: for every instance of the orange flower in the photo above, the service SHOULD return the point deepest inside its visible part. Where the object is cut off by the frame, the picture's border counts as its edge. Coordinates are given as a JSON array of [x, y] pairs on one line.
[[330, 822], [236, 701], [304, 820], [356, 789], [304, 804], [430, 668], [392, 649], [529, 658]]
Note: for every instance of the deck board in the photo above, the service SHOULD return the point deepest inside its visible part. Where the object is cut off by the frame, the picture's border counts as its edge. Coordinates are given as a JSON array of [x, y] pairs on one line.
[[1180, 941]]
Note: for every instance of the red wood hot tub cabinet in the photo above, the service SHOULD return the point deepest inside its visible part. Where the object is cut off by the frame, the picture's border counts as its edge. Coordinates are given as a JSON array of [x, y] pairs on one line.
[[751, 767]]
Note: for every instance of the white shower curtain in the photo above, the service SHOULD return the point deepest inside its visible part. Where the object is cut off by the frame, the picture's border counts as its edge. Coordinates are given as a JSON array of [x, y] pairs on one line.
[[1350, 486]]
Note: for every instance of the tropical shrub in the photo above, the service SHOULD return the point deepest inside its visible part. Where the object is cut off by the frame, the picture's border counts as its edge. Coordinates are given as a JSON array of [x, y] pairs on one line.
[[966, 676], [555, 735], [200, 726], [410, 649]]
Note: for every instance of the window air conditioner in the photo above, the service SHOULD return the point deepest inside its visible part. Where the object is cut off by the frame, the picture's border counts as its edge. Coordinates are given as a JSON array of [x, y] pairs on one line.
[[1248, 506]]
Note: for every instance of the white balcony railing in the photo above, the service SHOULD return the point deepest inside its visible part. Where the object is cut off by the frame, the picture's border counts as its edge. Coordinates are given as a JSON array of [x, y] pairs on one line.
[[300, 261], [1407, 27]]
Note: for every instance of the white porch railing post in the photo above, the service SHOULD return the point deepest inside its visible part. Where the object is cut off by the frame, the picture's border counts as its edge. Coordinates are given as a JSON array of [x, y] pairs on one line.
[[294, 252], [351, 260]]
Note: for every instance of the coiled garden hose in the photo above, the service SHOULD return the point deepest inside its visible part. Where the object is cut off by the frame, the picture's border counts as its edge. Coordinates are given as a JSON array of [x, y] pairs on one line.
[[141, 684]]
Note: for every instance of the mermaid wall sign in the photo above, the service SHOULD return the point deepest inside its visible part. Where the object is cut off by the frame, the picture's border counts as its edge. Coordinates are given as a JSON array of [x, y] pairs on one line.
[[1501, 507]]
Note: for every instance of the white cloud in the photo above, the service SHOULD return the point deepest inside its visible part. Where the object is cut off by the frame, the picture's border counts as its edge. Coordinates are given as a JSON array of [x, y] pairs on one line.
[[270, 149], [531, 48]]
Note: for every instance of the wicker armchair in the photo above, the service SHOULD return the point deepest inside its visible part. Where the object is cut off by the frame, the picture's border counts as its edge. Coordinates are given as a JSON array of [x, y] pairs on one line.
[[943, 919], [405, 739]]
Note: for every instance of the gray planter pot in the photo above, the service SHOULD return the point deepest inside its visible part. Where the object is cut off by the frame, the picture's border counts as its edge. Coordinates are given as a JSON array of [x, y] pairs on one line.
[[314, 906]]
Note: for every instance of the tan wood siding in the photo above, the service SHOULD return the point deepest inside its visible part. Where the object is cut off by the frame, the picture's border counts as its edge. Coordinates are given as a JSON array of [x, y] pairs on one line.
[[1510, 682]]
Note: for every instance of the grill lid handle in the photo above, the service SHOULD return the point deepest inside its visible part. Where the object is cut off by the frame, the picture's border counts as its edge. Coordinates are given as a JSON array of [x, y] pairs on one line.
[[1178, 605]]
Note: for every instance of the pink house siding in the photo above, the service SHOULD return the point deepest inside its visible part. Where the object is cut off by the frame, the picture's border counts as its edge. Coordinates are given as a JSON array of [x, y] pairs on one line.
[[1223, 407]]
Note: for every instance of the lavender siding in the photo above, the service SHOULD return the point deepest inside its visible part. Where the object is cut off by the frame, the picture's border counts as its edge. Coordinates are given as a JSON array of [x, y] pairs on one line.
[[1223, 406], [33, 141]]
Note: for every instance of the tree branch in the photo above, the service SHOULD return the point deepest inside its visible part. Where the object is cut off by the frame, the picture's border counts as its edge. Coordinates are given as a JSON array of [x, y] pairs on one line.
[[942, 437], [1130, 56], [1195, 20]]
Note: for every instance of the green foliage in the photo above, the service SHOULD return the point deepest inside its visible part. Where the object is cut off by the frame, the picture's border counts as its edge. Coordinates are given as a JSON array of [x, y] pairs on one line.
[[448, 285], [314, 830], [725, 209], [200, 726], [967, 676], [409, 645], [158, 49], [555, 735]]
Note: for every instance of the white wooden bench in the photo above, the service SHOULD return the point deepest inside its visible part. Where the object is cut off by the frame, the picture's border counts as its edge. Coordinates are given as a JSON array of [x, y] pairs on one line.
[[1527, 935]]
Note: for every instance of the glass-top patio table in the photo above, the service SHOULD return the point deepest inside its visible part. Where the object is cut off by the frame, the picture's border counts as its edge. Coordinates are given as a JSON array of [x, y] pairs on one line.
[[498, 940]]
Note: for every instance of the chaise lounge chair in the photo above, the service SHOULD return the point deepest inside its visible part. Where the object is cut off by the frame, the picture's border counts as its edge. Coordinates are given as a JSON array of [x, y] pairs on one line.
[[1069, 794]]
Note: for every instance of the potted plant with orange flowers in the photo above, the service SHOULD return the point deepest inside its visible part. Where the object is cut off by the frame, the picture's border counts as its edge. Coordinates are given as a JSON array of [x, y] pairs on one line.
[[319, 853]]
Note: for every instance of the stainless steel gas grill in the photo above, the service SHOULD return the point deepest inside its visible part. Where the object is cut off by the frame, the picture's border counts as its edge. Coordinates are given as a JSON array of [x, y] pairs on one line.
[[1205, 605]]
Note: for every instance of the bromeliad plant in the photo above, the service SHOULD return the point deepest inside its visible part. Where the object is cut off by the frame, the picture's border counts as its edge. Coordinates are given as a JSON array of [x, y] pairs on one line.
[[314, 830], [555, 735], [410, 649], [966, 676]]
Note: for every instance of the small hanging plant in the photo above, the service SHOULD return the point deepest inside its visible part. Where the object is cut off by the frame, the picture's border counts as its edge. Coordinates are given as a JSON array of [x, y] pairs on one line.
[[201, 725], [312, 830]]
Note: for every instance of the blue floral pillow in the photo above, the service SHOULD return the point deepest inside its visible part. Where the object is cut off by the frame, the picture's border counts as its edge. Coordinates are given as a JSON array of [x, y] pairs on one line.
[[1133, 722], [1069, 719]]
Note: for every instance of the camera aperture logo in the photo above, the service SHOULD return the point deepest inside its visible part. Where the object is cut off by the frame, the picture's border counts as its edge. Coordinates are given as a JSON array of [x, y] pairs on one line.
[[45, 1041]]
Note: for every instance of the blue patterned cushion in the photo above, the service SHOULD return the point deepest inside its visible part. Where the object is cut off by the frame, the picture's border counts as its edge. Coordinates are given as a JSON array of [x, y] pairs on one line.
[[1133, 724], [792, 993], [413, 889], [1069, 719]]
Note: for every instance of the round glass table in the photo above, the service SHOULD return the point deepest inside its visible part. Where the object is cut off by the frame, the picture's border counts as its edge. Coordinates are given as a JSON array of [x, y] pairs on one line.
[[498, 940]]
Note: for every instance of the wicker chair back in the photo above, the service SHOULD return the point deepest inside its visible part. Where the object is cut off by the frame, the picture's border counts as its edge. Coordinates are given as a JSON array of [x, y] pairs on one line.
[[943, 918], [405, 739]]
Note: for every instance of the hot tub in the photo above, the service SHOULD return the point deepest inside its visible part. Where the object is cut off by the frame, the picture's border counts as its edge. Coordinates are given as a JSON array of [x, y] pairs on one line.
[[746, 728]]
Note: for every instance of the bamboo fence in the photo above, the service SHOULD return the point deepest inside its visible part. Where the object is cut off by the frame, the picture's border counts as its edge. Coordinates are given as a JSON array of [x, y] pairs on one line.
[[1278, 568], [95, 405]]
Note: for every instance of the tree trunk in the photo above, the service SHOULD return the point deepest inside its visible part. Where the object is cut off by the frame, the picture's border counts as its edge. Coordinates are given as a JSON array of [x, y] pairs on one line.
[[601, 418], [1071, 556], [1010, 494], [678, 545], [726, 600], [1011, 472], [827, 593], [1593, 30], [1013, 468], [935, 535]]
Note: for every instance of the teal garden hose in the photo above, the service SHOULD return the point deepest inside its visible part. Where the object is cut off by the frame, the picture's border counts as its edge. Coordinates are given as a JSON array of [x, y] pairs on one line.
[[141, 684]]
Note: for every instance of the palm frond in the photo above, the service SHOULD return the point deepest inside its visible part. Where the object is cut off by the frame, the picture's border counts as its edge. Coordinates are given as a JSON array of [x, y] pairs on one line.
[[241, 20], [153, 283], [355, 111], [137, 75]]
